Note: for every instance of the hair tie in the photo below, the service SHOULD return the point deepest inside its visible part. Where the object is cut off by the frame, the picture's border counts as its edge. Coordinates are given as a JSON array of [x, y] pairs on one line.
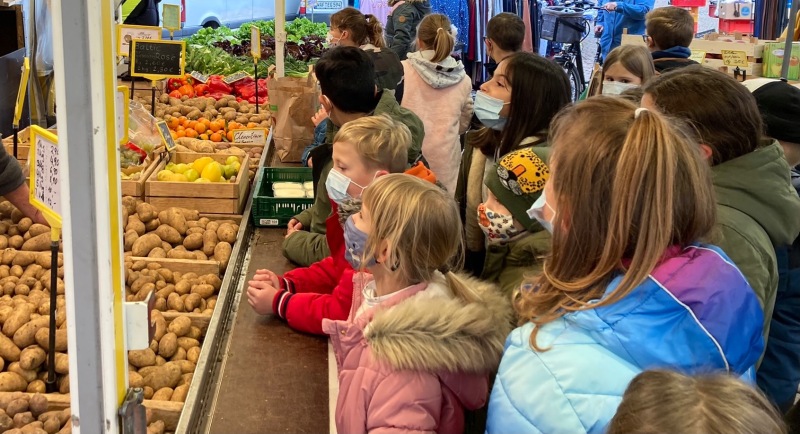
[[638, 112]]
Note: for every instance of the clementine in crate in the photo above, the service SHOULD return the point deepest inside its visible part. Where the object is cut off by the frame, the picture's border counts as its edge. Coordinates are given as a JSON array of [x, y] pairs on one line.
[[216, 137], [200, 127]]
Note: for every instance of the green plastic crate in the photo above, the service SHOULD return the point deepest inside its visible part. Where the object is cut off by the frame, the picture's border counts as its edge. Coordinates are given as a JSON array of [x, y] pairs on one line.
[[269, 211]]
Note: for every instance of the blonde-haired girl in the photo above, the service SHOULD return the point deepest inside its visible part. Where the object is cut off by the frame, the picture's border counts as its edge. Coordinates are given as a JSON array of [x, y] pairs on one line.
[[627, 67], [420, 340], [662, 401], [627, 286], [437, 90]]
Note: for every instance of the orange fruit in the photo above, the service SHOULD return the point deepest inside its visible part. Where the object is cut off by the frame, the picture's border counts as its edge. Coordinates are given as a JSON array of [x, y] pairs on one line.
[[230, 136], [185, 123], [216, 137], [206, 122], [174, 134], [215, 126], [180, 128], [234, 125], [252, 125], [180, 134], [202, 119], [191, 133], [193, 124], [174, 123], [203, 137], [200, 127]]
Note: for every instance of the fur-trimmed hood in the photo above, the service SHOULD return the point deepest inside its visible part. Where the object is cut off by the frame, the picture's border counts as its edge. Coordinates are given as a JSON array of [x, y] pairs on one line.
[[436, 331]]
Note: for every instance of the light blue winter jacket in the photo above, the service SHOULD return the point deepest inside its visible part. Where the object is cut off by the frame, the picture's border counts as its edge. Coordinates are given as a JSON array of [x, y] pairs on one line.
[[629, 15], [695, 313]]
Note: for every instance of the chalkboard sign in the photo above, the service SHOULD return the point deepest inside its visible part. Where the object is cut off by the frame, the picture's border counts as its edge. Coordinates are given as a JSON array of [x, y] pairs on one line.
[[157, 59], [166, 134], [45, 184]]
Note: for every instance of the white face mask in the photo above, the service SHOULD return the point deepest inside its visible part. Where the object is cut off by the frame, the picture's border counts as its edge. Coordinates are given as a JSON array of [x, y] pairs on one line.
[[536, 211], [337, 184], [617, 87], [488, 108], [331, 41]]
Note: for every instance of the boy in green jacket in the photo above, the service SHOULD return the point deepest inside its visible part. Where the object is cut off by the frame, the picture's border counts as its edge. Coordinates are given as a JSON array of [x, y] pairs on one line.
[[515, 243], [347, 79], [757, 208]]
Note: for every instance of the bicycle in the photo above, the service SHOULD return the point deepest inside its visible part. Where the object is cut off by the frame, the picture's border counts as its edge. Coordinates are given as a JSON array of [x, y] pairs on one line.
[[565, 47]]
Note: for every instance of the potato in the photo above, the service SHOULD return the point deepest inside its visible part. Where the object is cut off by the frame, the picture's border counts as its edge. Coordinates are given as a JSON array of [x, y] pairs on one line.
[[17, 242], [193, 354], [158, 252], [38, 404], [210, 241], [192, 302], [195, 332], [51, 426], [43, 339], [63, 384], [180, 354], [6, 423], [27, 374], [180, 254], [161, 324], [161, 304], [168, 345], [163, 394], [62, 364], [146, 212], [213, 280], [38, 229], [175, 303], [37, 386], [17, 215], [12, 382], [134, 224], [17, 406], [156, 427], [130, 237], [187, 367], [32, 357], [20, 316], [16, 270], [169, 234], [187, 343], [144, 244], [148, 392], [180, 326], [142, 358], [152, 225], [175, 218], [183, 287], [22, 419], [24, 259], [179, 395], [167, 375], [194, 241], [222, 254], [226, 233]]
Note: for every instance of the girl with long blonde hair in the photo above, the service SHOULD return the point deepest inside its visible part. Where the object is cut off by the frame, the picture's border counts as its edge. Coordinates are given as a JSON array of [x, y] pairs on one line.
[[628, 285], [421, 340]]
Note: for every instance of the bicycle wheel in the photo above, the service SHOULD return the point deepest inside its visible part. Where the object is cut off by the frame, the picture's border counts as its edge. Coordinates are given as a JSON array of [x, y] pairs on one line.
[[575, 84]]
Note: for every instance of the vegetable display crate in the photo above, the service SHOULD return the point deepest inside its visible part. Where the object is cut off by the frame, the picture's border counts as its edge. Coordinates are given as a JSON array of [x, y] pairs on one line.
[[131, 187], [269, 211], [210, 198]]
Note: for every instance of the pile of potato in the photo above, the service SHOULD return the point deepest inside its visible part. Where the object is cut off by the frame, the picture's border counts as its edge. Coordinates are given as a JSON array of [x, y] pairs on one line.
[[226, 108], [165, 369], [176, 233], [25, 414], [174, 292]]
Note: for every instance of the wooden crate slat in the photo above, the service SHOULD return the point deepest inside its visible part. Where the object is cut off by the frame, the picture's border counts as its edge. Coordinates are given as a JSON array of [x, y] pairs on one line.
[[204, 205], [216, 190], [183, 266], [199, 320]]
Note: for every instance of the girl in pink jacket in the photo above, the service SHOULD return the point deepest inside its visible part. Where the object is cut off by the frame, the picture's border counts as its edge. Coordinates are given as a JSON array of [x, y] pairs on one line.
[[420, 341]]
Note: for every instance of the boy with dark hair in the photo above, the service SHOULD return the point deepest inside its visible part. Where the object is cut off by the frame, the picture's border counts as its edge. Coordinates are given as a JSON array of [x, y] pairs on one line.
[[757, 208], [670, 31], [779, 373], [347, 79], [504, 35]]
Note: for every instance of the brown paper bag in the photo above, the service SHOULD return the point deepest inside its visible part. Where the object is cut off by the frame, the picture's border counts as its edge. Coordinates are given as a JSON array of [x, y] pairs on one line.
[[293, 102]]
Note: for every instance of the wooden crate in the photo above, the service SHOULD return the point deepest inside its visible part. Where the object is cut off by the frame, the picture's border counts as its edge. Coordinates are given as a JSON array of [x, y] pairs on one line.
[[211, 198], [135, 188], [23, 143], [168, 411]]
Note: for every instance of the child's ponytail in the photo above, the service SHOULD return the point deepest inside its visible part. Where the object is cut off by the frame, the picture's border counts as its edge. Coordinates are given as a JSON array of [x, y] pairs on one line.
[[434, 32], [375, 31]]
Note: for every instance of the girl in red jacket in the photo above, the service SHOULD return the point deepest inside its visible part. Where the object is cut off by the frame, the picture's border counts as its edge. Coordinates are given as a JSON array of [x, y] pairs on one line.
[[363, 150]]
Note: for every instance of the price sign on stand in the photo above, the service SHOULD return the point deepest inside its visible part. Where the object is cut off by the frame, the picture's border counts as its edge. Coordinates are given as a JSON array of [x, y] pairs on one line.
[[166, 134], [734, 58], [698, 56], [122, 115], [171, 17], [202, 78], [233, 78], [134, 32], [255, 136], [45, 184], [255, 42], [155, 60]]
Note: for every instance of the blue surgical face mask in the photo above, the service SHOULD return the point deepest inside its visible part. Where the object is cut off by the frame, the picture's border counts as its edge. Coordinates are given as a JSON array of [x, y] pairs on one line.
[[337, 185], [487, 109], [355, 243], [536, 212]]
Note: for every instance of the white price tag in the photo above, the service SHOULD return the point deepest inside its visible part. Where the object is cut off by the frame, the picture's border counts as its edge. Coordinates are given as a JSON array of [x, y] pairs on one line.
[[45, 174]]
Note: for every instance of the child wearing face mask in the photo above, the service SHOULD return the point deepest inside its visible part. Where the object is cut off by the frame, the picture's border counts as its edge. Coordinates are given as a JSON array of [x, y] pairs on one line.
[[515, 107], [421, 341], [363, 151], [626, 67], [515, 243]]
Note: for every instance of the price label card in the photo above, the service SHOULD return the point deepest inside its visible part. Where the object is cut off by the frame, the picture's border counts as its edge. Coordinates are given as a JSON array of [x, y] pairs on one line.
[[254, 136], [698, 56], [199, 77], [157, 59], [166, 134], [45, 183], [734, 58], [23, 87], [171, 17], [127, 33], [233, 78], [255, 42], [122, 115]]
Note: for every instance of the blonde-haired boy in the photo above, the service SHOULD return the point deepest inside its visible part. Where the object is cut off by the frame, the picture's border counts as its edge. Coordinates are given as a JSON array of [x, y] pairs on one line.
[[363, 150]]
